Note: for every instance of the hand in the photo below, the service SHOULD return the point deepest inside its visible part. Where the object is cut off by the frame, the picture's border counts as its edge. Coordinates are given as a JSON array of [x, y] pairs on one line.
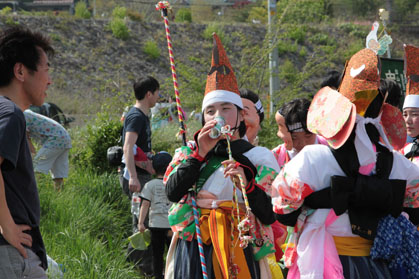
[[205, 142], [134, 185], [15, 236], [141, 227], [232, 169]]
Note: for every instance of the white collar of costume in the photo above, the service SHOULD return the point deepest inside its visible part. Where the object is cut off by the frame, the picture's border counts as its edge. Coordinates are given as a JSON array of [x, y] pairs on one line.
[[363, 145]]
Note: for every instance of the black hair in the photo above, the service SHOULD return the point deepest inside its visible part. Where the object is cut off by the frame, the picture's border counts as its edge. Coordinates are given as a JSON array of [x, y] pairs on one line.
[[21, 45], [160, 162], [333, 80], [242, 125], [252, 96], [143, 85], [393, 89], [296, 112]]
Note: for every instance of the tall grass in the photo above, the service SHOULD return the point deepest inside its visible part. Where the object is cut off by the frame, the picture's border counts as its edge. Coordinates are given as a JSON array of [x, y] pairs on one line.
[[86, 225]]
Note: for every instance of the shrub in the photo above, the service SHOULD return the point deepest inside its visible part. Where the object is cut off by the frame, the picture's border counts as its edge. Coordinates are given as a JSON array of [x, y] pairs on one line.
[[258, 14], [5, 11], [183, 15], [119, 12], [91, 143], [322, 39], [119, 28], [288, 72], [303, 11], [81, 10], [218, 29], [297, 33], [151, 49]]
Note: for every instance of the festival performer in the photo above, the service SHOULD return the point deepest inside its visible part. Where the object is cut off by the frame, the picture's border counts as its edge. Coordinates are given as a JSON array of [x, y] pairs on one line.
[[411, 103], [291, 119], [226, 212], [337, 196]]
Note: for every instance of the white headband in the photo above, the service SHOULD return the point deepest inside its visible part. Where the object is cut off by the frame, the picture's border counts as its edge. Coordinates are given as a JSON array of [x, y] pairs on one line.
[[258, 106], [295, 127]]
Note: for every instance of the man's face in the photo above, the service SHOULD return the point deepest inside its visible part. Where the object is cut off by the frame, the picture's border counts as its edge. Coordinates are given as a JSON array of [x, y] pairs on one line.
[[411, 117], [154, 96], [226, 110], [36, 83], [251, 119]]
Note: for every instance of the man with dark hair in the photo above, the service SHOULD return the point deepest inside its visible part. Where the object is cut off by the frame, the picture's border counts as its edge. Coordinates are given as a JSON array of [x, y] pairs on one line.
[[136, 135], [24, 79], [253, 114]]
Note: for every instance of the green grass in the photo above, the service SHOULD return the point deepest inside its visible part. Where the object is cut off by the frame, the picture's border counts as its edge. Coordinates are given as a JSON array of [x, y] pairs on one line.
[[86, 225]]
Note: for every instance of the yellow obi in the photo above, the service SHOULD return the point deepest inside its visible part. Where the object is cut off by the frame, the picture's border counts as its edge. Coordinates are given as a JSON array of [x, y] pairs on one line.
[[353, 246], [215, 225]]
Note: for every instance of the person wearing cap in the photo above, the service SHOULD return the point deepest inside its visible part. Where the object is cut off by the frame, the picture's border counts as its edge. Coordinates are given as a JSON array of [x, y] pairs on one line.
[[339, 199], [253, 114], [205, 164], [291, 119], [154, 198], [411, 103]]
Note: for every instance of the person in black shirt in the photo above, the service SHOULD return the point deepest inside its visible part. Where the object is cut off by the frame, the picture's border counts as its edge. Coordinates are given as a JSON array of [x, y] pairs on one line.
[[137, 134], [24, 79]]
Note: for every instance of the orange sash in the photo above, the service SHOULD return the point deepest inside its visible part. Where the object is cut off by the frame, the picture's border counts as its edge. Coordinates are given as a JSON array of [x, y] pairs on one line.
[[216, 229]]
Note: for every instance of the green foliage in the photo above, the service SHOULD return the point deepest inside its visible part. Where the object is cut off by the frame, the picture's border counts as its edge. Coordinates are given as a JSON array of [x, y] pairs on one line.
[[267, 134], [321, 39], [355, 30], [119, 12], [151, 49], [85, 226], [297, 33], [285, 46], [404, 7], [119, 28], [6, 11], [258, 14], [363, 7], [288, 71], [135, 16], [81, 10], [215, 28], [91, 142], [303, 52], [184, 15], [303, 11]]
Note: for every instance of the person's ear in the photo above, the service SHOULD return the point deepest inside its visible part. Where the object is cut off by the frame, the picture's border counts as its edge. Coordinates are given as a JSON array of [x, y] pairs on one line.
[[18, 71]]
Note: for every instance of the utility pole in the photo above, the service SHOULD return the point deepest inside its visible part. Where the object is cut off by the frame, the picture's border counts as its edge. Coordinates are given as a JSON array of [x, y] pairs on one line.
[[273, 56]]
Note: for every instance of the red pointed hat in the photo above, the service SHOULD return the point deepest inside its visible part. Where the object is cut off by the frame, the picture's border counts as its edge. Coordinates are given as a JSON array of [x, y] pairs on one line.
[[221, 81], [411, 65]]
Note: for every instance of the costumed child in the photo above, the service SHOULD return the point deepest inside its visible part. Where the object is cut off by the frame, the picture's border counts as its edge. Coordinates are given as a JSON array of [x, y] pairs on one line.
[[291, 119], [340, 196], [154, 197], [411, 103], [234, 223]]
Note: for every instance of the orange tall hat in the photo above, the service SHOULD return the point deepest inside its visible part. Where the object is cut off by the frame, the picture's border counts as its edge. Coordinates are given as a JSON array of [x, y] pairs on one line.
[[411, 65], [361, 79], [221, 81]]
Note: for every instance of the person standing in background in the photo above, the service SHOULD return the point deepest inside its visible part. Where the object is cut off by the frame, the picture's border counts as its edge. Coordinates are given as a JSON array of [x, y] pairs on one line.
[[137, 131], [56, 144]]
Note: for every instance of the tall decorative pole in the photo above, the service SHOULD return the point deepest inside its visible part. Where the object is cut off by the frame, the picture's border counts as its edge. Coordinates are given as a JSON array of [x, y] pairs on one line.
[[163, 6]]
